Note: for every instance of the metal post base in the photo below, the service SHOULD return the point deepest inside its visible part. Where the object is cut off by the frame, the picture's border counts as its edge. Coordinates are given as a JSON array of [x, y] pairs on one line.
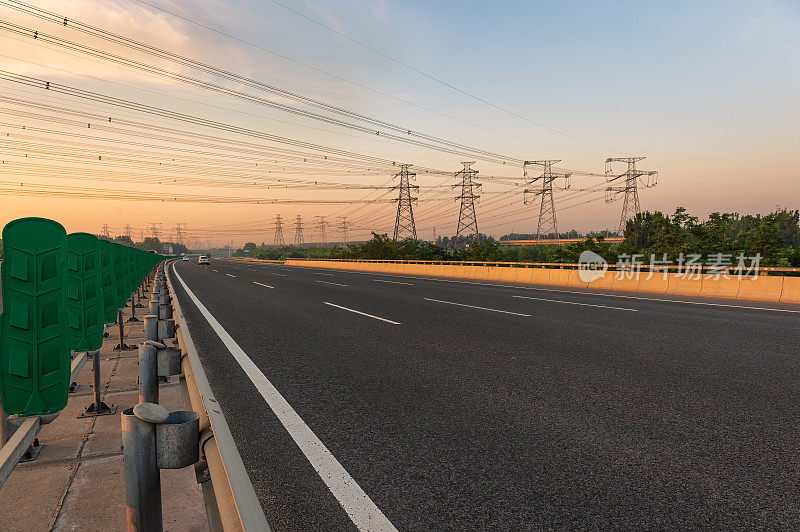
[[32, 452], [105, 410], [133, 318], [123, 347]]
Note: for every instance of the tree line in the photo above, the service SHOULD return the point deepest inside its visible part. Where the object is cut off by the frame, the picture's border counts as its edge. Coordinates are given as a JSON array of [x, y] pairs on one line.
[[774, 236]]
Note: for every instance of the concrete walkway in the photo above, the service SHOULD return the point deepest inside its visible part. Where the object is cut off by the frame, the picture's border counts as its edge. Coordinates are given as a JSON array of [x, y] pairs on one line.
[[78, 480]]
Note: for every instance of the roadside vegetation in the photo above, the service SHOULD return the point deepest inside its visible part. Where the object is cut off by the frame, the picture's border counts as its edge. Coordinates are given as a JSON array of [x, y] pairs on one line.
[[775, 236]]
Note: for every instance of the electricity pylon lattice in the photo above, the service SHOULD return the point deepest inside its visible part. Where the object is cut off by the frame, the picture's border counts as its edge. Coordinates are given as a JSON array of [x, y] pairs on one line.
[[322, 226], [404, 222], [155, 229], [279, 231], [630, 205], [298, 230], [180, 229], [343, 229], [547, 210], [467, 220]]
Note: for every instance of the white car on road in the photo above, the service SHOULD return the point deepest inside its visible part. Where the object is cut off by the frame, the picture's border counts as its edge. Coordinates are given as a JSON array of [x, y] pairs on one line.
[[202, 259]]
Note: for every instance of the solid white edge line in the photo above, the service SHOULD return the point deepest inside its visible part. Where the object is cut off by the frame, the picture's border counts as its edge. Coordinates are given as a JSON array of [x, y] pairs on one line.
[[264, 285], [363, 313], [326, 282], [481, 308], [362, 511], [392, 282], [576, 303]]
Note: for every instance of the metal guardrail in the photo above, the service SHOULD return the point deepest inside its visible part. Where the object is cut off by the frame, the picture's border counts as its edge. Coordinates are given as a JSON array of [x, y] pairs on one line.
[[16, 446], [231, 503]]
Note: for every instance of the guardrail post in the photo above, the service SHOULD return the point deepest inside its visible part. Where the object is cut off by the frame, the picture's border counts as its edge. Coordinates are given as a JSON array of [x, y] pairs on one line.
[[151, 327], [133, 310], [122, 346], [154, 439], [139, 290], [98, 407], [142, 477], [148, 372]]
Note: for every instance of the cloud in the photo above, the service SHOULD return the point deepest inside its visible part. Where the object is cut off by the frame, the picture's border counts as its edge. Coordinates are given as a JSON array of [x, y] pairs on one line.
[[135, 21]]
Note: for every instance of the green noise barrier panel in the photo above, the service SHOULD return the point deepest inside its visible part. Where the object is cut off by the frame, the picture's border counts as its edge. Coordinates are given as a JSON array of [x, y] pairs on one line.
[[58, 290], [121, 294], [108, 281], [84, 292], [34, 338]]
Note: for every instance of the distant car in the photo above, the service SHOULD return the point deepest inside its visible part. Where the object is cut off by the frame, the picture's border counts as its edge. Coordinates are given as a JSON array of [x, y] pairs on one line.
[[202, 259], [185, 257]]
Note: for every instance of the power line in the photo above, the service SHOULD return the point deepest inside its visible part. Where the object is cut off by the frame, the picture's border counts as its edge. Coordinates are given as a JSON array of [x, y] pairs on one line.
[[346, 80], [437, 80]]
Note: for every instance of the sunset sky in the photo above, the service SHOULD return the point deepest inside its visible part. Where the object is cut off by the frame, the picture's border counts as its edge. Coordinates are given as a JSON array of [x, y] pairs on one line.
[[707, 91]]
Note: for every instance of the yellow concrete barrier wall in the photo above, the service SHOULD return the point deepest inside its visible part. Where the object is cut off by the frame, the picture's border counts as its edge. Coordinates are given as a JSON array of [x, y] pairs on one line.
[[791, 290], [623, 282], [575, 280], [604, 282], [719, 286], [540, 276], [507, 274], [768, 288], [559, 277], [658, 283], [685, 285]]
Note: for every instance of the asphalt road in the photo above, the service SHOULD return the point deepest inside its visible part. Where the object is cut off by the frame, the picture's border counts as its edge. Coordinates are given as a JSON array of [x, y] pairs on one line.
[[458, 405]]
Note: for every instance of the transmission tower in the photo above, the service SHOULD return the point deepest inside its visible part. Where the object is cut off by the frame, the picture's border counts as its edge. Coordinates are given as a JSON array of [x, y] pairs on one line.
[[279, 231], [179, 232], [298, 230], [128, 231], [343, 229], [404, 223], [630, 206], [105, 232], [467, 221], [155, 229], [322, 226], [547, 210]]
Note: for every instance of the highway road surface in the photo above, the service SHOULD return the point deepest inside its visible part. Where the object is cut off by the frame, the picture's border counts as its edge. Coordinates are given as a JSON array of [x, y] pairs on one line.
[[372, 401]]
